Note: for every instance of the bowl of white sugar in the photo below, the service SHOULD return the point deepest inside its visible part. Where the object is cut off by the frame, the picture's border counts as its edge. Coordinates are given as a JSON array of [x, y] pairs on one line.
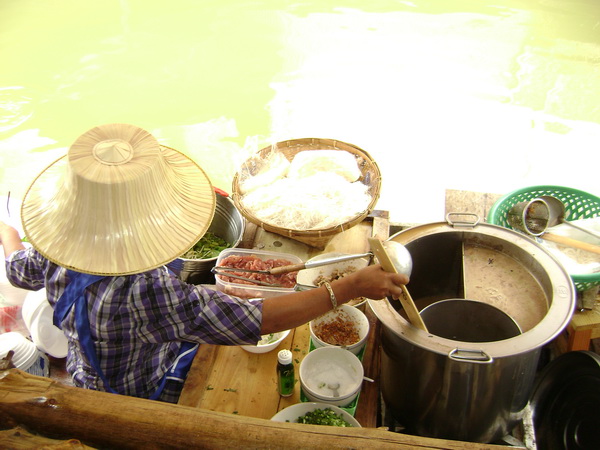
[[331, 375]]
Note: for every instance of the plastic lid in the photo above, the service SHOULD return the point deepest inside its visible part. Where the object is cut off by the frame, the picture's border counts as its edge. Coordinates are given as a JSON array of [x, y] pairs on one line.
[[284, 357]]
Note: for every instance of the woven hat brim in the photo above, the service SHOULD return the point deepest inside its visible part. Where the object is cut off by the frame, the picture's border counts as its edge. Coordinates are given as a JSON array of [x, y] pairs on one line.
[[129, 230]]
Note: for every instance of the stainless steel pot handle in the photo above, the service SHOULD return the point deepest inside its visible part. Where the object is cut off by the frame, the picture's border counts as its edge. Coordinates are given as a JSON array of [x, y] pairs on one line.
[[468, 355], [459, 223]]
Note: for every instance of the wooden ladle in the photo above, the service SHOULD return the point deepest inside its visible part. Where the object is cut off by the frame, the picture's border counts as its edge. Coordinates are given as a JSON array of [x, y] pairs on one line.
[[406, 300]]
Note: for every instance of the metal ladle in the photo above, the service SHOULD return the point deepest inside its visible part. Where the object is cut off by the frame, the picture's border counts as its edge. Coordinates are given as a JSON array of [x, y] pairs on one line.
[[394, 257], [533, 217], [557, 212]]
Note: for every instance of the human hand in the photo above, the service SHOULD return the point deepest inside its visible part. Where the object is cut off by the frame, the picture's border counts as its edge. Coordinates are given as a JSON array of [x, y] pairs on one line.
[[375, 283], [9, 212], [9, 239]]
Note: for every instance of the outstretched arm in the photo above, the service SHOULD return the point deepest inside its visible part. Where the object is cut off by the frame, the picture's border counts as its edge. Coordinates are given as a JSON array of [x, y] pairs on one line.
[[292, 310]]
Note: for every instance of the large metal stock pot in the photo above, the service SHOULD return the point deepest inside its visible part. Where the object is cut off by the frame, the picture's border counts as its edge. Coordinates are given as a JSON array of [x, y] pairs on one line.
[[471, 391]]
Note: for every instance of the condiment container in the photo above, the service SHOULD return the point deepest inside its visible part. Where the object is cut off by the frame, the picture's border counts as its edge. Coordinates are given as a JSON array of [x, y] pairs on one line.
[[331, 375], [335, 320], [285, 373], [249, 290]]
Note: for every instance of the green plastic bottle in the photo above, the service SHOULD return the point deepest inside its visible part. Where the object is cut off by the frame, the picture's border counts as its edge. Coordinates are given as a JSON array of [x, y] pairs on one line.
[[285, 373]]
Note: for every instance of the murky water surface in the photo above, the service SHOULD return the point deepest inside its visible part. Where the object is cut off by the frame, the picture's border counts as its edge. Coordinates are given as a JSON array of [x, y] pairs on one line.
[[476, 95]]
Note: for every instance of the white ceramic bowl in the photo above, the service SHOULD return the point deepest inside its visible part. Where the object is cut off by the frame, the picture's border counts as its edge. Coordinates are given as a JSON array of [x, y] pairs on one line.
[[307, 277], [264, 348], [344, 313], [291, 413], [327, 366]]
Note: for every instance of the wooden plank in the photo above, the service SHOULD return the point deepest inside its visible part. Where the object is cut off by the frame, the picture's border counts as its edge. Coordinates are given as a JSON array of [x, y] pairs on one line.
[[105, 420], [299, 348], [197, 381], [579, 340], [587, 320], [368, 411], [236, 382], [19, 438]]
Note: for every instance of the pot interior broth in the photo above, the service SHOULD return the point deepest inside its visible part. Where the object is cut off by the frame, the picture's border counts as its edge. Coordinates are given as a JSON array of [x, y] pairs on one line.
[[497, 279]]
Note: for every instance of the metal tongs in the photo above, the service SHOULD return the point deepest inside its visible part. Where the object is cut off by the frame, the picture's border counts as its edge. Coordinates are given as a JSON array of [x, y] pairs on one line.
[[225, 271]]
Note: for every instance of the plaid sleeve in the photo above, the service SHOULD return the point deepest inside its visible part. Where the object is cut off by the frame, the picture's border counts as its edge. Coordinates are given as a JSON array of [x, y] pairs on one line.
[[26, 269], [174, 310]]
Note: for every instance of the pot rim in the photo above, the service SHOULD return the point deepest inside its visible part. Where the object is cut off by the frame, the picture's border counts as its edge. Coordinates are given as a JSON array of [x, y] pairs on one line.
[[551, 325]]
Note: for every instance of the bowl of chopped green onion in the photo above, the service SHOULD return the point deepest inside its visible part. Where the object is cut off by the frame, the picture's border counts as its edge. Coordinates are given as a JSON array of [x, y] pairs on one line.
[[225, 231], [267, 343], [314, 413]]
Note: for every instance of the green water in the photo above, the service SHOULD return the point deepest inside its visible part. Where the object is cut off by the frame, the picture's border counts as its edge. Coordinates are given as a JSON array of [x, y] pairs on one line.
[[476, 95]]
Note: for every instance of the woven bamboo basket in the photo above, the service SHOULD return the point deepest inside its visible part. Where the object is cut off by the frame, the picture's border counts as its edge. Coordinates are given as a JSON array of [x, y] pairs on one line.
[[318, 238]]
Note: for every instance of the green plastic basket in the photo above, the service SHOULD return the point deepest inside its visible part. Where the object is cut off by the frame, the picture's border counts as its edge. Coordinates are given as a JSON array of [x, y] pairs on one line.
[[578, 205]]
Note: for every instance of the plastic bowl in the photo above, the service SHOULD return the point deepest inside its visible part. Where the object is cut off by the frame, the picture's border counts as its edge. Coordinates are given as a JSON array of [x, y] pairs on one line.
[[38, 317], [343, 312], [32, 305], [265, 348], [291, 413], [327, 366], [46, 336]]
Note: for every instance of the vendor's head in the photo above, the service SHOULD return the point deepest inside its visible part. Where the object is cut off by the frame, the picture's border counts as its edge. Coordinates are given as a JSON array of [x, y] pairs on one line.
[[117, 203]]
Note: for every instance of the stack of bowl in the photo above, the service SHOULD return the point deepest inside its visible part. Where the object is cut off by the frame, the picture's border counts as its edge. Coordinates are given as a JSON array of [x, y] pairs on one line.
[[26, 356], [331, 375]]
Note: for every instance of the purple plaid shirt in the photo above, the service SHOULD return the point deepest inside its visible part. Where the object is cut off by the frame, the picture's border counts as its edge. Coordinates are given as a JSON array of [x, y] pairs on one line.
[[139, 321]]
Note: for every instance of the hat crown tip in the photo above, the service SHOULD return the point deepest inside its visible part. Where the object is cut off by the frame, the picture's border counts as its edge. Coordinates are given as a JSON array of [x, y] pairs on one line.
[[113, 152]]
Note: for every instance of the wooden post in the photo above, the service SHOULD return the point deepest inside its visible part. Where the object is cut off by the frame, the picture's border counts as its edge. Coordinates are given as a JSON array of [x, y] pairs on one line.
[[56, 411]]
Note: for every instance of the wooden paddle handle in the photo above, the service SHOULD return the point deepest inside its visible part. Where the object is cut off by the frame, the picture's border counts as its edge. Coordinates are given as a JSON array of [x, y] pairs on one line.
[[286, 269], [411, 310], [571, 242], [406, 300]]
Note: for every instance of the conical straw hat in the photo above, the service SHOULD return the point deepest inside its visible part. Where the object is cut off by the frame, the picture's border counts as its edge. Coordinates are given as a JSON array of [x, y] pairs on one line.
[[117, 203]]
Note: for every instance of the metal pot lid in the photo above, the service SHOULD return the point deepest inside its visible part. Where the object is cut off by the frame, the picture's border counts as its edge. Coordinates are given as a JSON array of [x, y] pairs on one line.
[[515, 266], [565, 403]]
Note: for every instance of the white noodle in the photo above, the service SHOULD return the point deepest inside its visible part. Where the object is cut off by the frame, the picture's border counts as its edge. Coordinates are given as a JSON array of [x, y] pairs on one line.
[[320, 201], [263, 172]]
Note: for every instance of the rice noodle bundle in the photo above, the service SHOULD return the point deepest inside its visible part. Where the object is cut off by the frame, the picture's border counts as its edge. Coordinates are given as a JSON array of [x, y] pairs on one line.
[[318, 201]]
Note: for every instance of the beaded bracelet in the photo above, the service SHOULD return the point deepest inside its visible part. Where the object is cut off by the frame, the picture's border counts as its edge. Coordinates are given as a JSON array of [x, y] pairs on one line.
[[331, 294]]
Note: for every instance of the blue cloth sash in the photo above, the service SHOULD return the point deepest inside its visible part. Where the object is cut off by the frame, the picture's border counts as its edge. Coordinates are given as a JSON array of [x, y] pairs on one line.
[[74, 296]]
